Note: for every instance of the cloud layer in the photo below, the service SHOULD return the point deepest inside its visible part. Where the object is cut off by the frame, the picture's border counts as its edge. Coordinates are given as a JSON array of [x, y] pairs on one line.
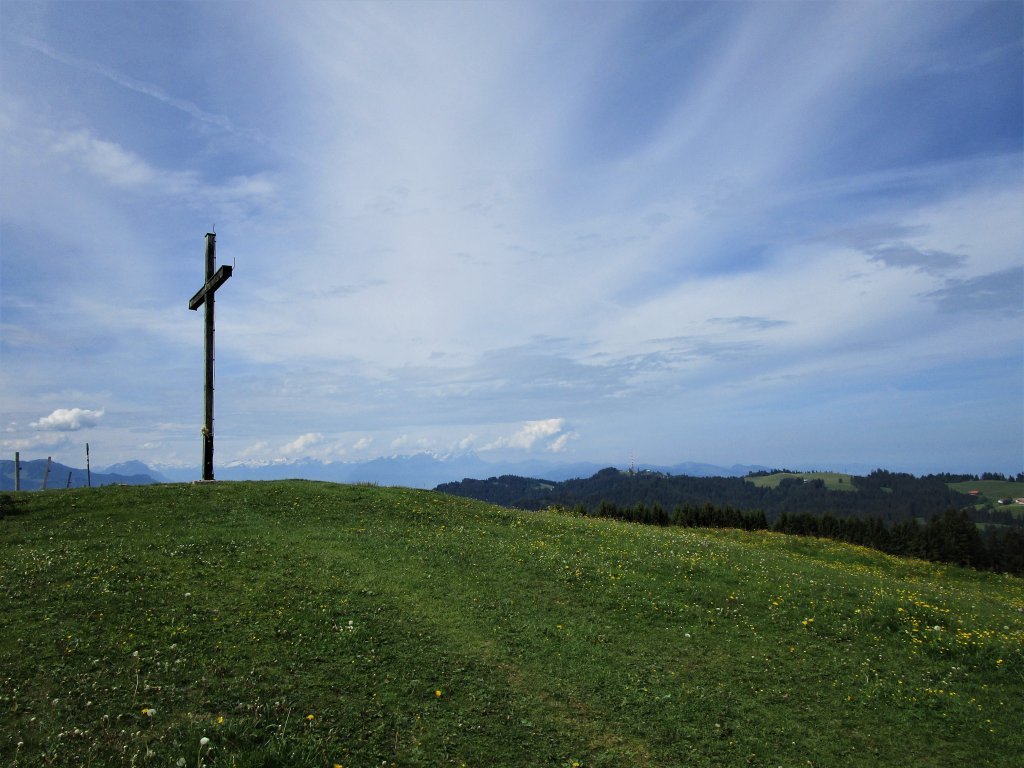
[[700, 231], [68, 420]]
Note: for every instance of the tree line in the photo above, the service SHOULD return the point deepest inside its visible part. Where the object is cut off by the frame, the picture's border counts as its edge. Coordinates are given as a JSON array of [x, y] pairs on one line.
[[891, 496]]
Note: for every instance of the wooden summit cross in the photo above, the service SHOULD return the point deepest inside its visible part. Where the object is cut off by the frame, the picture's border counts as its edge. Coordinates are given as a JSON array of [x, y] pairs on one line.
[[214, 280]]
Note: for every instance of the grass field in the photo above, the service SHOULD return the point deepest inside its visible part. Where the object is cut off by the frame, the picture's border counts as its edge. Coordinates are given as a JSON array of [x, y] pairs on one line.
[[992, 491], [834, 481], [306, 624]]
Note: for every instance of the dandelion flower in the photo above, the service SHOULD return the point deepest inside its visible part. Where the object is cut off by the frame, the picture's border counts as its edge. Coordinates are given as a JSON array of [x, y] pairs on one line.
[[309, 717], [437, 694], [203, 741]]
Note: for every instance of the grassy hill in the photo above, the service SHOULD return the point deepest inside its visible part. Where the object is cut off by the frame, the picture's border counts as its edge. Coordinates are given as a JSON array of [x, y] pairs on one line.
[[991, 491], [834, 481], [308, 624]]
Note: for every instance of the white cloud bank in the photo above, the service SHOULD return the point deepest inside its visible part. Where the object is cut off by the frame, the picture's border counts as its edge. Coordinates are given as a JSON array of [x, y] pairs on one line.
[[533, 432], [302, 443], [69, 420], [706, 231]]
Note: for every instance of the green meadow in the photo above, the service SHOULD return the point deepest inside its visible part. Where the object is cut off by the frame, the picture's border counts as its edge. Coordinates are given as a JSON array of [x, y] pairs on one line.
[[311, 624], [834, 481], [993, 491]]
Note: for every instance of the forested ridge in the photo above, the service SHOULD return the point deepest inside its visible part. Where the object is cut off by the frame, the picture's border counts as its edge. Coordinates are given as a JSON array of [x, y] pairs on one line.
[[891, 496], [893, 512]]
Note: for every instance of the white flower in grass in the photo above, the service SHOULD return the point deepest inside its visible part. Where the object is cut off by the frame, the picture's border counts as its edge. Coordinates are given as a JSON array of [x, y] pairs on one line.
[[203, 741]]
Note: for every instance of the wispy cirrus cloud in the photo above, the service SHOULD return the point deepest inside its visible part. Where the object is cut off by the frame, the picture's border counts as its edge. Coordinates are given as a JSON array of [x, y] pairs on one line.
[[132, 84], [748, 323], [1001, 291], [674, 225], [47, 441], [906, 256], [107, 160], [120, 167]]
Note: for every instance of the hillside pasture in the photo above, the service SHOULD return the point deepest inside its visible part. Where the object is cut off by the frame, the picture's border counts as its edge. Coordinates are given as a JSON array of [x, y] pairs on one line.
[[834, 481], [309, 624], [992, 491]]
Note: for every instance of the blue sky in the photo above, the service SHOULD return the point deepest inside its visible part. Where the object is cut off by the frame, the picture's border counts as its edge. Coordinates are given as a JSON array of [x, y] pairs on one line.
[[777, 233]]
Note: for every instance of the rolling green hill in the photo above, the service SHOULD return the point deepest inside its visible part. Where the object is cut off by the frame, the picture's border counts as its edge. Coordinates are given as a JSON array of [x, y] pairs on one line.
[[309, 624], [994, 491], [834, 481]]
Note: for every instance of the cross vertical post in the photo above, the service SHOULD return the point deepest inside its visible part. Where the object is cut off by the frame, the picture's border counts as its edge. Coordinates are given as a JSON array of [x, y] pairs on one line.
[[214, 279]]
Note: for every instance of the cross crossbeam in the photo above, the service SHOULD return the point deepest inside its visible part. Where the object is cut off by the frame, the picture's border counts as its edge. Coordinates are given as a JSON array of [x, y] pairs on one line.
[[204, 296], [218, 279]]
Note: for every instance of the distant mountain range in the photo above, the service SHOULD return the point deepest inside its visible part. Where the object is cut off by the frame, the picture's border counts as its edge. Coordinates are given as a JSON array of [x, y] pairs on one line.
[[136, 469], [421, 470], [424, 470], [34, 475]]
